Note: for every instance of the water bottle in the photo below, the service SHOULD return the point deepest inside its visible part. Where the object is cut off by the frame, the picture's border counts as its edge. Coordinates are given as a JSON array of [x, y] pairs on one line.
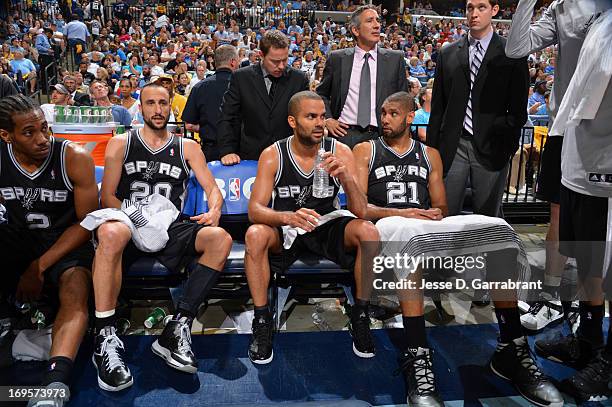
[[320, 183]]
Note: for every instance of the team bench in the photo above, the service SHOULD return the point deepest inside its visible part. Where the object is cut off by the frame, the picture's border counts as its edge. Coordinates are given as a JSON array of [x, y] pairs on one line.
[[308, 277]]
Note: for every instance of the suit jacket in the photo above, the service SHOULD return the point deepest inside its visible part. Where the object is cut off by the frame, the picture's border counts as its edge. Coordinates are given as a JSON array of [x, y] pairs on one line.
[[334, 86], [250, 121], [499, 103]]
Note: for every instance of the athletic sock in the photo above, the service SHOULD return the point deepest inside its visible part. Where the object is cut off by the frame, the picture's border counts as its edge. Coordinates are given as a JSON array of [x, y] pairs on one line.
[[360, 309], [105, 318], [591, 321], [263, 312], [509, 321], [58, 370], [414, 329], [201, 280], [180, 313]]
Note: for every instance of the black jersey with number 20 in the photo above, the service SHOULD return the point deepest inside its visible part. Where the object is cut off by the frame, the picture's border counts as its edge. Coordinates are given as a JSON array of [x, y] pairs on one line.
[[146, 171]]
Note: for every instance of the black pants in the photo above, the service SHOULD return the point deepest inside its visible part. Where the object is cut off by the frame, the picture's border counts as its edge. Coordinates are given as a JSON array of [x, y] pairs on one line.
[[355, 136]]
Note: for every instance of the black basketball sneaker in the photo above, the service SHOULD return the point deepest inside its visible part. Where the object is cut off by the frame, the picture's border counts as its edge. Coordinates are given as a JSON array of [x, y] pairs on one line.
[[260, 348], [113, 374], [363, 343], [570, 350], [174, 346], [417, 367], [513, 361], [593, 382]]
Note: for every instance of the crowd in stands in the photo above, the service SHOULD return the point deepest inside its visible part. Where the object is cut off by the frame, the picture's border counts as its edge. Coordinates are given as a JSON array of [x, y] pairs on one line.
[[131, 44]]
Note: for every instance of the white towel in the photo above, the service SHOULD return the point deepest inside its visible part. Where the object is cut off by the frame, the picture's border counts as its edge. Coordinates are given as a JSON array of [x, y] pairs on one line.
[[32, 344], [451, 236], [290, 233], [148, 220]]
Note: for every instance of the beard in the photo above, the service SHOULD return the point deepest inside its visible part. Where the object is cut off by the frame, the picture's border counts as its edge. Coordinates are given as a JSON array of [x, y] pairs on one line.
[[149, 122], [396, 133], [306, 137]]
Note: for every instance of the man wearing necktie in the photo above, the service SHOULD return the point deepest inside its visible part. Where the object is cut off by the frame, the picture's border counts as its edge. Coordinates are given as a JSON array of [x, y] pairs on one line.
[[254, 108], [478, 107], [357, 80], [479, 104]]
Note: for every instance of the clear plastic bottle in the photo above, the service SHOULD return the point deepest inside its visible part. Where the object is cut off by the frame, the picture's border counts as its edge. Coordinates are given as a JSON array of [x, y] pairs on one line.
[[320, 181]]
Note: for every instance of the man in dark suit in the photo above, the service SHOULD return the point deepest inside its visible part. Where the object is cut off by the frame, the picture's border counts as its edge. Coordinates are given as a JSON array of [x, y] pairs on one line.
[[77, 98], [354, 91], [254, 110], [202, 111], [479, 105]]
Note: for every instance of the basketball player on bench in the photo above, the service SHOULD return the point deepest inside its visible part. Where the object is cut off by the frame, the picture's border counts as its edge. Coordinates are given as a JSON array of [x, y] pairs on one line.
[[153, 160], [285, 178], [47, 186], [418, 193]]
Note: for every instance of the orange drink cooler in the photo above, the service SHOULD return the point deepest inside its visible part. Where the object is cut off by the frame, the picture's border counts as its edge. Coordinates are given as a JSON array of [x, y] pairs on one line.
[[93, 138]]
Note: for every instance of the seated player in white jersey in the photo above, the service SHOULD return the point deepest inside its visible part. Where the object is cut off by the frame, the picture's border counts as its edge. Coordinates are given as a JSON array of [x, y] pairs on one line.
[[146, 161], [47, 186], [297, 222], [403, 181]]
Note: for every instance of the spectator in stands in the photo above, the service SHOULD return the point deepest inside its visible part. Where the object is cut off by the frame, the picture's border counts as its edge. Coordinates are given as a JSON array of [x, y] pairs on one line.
[[127, 100], [421, 116], [221, 36], [539, 89], [46, 54], [177, 102], [199, 76], [78, 98], [77, 35], [202, 112], [60, 96], [23, 67], [253, 120], [354, 112], [99, 92], [416, 70], [156, 69], [414, 87], [81, 86]]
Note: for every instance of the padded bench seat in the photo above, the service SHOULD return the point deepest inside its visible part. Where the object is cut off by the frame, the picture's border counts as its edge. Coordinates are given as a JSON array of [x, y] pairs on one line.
[[149, 267]]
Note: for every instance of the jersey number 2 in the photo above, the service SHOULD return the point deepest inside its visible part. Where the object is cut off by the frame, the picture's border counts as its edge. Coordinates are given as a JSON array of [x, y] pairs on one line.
[[396, 192]]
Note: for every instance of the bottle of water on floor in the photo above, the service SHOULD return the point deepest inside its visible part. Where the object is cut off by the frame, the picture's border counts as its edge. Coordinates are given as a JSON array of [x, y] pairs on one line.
[[320, 183]]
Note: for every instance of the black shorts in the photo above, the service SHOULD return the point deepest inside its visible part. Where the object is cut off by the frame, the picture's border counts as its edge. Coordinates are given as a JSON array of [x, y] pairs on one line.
[[20, 247], [326, 241], [179, 251], [582, 231], [549, 180]]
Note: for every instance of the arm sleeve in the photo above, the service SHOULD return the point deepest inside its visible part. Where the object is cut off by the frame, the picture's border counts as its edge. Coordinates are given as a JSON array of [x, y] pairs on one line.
[[524, 37], [324, 88], [438, 106], [228, 135]]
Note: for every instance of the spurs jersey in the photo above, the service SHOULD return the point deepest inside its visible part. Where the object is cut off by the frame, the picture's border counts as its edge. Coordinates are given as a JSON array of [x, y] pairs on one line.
[[145, 171], [293, 187], [42, 199], [398, 181]]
